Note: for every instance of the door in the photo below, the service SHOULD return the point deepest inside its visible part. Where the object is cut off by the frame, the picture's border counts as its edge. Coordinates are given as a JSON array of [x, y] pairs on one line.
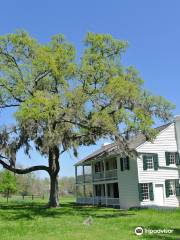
[[116, 190], [98, 190], [159, 194]]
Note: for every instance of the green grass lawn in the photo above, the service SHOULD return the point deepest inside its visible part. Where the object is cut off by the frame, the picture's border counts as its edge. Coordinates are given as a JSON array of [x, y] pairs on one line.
[[30, 220]]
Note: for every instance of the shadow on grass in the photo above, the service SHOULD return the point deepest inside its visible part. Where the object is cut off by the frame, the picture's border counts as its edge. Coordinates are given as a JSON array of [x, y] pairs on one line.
[[28, 211]]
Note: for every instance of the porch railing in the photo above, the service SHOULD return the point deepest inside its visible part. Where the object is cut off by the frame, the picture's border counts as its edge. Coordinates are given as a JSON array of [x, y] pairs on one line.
[[107, 175], [104, 201], [111, 174], [98, 176], [85, 200], [86, 178], [112, 201]]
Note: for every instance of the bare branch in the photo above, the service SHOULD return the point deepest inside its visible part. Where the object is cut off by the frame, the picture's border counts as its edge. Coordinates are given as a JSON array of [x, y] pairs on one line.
[[25, 170], [40, 76], [9, 105]]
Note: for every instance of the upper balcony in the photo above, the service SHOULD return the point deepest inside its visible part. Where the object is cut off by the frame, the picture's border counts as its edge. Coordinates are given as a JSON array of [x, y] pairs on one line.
[[103, 170], [98, 176]]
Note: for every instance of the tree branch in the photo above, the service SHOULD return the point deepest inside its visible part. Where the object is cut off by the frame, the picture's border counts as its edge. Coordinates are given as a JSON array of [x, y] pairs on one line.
[[9, 105], [13, 60], [40, 76], [11, 92], [25, 170]]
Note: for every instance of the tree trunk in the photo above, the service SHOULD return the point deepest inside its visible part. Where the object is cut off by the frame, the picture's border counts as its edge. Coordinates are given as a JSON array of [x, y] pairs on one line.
[[7, 195], [53, 172], [54, 193]]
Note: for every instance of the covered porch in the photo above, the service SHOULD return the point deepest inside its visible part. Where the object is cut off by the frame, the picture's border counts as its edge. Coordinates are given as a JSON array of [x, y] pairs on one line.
[[106, 194]]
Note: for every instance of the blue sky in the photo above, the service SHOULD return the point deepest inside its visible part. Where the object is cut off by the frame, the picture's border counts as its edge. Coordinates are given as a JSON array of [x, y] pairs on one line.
[[151, 28]]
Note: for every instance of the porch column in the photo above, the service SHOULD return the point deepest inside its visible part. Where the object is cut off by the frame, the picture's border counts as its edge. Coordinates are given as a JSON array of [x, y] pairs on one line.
[[106, 194], [118, 173], [76, 173], [93, 195], [84, 190], [83, 174], [76, 182], [92, 172], [104, 163]]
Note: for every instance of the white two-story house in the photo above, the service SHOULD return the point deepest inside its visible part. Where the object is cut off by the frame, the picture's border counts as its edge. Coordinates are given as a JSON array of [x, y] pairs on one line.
[[107, 178]]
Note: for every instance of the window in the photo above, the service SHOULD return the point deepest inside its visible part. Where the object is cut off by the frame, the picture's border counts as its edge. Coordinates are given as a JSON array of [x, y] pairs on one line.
[[107, 165], [172, 190], [172, 187], [111, 164], [108, 190], [172, 158], [98, 190], [149, 163], [124, 162], [114, 163], [98, 167], [145, 191]]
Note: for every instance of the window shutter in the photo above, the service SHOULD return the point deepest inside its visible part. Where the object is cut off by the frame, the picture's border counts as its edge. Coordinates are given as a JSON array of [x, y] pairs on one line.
[[127, 159], [177, 186], [177, 159], [115, 163], [140, 192], [144, 162], [151, 193], [167, 185], [122, 164], [167, 154], [156, 162]]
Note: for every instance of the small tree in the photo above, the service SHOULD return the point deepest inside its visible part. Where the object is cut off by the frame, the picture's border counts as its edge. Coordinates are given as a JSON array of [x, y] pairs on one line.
[[7, 184]]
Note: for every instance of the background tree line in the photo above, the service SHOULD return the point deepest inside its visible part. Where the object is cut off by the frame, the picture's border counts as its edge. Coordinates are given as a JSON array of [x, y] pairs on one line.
[[31, 184]]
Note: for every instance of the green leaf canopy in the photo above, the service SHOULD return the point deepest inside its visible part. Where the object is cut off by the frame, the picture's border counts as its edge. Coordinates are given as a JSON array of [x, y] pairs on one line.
[[59, 101]]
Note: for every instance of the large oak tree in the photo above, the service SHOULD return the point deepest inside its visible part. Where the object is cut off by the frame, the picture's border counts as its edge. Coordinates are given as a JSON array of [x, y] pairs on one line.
[[61, 103]]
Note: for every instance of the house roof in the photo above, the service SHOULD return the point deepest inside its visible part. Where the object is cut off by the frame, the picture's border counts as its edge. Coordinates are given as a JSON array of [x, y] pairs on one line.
[[112, 148]]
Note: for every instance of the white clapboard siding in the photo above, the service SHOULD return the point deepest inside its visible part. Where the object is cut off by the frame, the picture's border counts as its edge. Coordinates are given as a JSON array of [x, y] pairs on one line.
[[165, 141], [128, 185]]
